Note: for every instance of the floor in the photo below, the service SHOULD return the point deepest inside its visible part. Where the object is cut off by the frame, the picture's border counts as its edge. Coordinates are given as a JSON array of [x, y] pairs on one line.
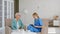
[[55, 30], [23, 32], [2, 31]]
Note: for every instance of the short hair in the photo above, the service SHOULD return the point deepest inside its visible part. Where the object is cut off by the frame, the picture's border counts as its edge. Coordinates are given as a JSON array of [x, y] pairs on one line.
[[17, 14]]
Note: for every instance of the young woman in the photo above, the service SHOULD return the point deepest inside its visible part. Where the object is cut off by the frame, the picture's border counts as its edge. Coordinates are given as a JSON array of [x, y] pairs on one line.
[[37, 26], [17, 23]]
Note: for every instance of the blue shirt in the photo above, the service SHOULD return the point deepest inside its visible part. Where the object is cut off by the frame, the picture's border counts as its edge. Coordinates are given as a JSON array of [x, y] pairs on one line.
[[38, 22]]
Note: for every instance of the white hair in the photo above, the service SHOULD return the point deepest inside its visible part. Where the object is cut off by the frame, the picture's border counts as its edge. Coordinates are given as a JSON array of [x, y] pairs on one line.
[[17, 14]]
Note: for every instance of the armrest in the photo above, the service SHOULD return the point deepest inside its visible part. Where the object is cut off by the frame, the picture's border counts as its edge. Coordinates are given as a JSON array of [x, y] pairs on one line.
[[7, 30]]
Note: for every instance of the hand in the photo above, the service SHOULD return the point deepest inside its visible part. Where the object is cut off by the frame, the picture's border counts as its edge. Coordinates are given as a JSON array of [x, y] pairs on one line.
[[43, 27], [19, 27], [39, 26]]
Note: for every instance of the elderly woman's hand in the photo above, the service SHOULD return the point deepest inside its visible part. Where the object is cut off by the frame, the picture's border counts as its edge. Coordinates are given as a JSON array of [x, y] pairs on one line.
[[19, 27]]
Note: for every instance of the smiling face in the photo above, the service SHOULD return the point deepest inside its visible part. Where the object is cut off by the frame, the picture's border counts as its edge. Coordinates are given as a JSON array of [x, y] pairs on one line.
[[17, 15]]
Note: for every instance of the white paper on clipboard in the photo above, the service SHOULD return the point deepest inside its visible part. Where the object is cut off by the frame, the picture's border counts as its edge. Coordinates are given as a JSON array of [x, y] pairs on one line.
[[56, 22]]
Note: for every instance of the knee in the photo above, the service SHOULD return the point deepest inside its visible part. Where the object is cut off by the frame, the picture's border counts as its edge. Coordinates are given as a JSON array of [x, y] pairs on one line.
[[28, 27]]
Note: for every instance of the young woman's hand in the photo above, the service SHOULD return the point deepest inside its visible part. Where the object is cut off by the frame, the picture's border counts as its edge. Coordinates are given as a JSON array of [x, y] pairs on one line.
[[39, 26]]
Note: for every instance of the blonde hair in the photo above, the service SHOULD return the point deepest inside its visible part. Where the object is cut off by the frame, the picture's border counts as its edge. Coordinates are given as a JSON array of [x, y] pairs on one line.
[[35, 14], [17, 14]]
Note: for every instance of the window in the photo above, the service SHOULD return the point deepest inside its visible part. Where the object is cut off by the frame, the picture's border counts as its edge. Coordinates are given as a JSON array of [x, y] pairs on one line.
[[9, 9], [5, 8], [0, 13]]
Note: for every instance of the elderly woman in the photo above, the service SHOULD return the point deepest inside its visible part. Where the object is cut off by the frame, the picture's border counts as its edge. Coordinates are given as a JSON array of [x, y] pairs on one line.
[[17, 23]]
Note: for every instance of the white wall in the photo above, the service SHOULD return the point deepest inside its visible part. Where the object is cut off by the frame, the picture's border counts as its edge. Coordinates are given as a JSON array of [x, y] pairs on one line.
[[45, 8]]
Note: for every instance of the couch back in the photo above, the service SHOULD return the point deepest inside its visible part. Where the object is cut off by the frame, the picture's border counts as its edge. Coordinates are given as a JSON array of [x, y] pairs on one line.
[[8, 22]]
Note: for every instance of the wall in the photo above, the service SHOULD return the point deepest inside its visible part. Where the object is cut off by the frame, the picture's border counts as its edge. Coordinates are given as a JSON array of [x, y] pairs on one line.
[[45, 8], [16, 6]]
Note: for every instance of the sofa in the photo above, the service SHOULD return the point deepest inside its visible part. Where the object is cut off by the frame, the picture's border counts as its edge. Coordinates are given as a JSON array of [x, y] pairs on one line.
[[8, 29], [8, 26]]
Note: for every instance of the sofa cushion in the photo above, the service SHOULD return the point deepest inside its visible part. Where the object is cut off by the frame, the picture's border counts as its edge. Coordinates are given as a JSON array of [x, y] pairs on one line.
[[8, 22]]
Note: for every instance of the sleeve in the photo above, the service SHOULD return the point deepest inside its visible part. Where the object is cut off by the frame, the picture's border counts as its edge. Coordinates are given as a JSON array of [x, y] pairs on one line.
[[41, 22], [12, 25], [22, 24]]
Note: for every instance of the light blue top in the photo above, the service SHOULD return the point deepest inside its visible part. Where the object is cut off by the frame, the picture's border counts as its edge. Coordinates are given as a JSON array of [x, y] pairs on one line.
[[14, 24]]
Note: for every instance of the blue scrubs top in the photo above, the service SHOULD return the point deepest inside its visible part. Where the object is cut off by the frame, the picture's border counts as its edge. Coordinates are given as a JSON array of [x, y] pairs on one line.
[[38, 22]]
